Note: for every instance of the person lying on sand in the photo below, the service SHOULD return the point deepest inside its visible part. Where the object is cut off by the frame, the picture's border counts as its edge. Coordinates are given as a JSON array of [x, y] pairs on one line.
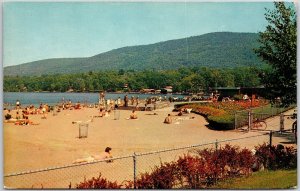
[[184, 118], [11, 120], [74, 122], [25, 122], [151, 114], [105, 155]]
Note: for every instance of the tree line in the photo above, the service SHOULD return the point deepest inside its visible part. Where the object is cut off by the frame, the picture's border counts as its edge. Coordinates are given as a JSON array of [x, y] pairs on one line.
[[194, 79]]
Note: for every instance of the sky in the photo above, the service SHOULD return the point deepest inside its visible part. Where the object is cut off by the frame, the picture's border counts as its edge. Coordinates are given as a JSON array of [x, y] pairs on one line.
[[39, 30]]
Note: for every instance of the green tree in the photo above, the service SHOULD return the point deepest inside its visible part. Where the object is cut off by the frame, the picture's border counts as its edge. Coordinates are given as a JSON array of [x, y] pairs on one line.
[[198, 83], [278, 45]]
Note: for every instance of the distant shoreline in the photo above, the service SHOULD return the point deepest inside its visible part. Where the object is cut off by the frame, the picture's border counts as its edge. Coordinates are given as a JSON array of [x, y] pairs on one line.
[[35, 98], [176, 93]]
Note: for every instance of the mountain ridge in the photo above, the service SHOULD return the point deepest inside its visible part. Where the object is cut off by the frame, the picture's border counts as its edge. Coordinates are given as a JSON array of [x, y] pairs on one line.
[[218, 49]]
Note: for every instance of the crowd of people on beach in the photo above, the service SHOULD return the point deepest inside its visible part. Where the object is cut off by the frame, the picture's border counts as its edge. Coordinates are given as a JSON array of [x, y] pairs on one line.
[[21, 114], [19, 119], [106, 106]]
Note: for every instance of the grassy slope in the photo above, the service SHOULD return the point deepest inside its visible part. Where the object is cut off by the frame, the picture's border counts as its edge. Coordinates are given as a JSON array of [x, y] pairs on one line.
[[280, 179]]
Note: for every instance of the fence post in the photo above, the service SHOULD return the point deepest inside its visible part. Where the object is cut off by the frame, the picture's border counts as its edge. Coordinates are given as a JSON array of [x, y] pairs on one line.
[[216, 145], [134, 170], [281, 123], [249, 120], [270, 135], [235, 120]]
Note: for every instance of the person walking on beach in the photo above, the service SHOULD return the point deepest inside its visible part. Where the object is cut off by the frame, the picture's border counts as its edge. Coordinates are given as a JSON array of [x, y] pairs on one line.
[[101, 98], [132, 100], [126, 100], [44, 111], [137, 101]]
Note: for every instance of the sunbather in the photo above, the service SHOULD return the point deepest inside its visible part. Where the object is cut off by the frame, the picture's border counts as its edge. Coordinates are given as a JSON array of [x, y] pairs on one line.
[[168, 119], [105, 155], [133, 115], [25, 122]]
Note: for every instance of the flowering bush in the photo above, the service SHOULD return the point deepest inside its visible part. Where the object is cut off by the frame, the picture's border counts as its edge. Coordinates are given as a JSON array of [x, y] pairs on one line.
[[208, 111]]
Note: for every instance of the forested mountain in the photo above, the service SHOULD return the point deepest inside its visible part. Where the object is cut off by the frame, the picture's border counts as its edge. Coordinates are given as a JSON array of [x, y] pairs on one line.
[[217, 50]]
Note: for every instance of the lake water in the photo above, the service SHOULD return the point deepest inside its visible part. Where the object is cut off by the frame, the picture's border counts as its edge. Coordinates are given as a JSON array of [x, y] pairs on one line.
[[27, 98]]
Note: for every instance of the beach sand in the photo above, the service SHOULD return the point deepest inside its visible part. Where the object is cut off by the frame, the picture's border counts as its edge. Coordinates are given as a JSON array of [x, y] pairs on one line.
[[55, 141]]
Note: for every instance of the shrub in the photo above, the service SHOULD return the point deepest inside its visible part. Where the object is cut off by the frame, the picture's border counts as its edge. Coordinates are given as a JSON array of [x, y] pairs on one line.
[[221, 122], [191, 171], [162, 177], [145, 181], [212, 169], [276, 157], [230, 160], [98, 183]]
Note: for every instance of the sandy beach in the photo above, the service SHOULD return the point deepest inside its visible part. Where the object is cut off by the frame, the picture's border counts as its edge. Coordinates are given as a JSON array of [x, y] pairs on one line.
[[55, 141]]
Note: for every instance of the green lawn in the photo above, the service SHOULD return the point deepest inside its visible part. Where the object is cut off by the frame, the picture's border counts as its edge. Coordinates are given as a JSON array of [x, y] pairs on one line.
[[271, 110], [280, 179]]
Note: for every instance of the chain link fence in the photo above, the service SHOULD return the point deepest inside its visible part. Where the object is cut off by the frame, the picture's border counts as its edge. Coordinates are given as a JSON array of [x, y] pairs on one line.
[[121, 169], [245, 118], [71, 175]]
